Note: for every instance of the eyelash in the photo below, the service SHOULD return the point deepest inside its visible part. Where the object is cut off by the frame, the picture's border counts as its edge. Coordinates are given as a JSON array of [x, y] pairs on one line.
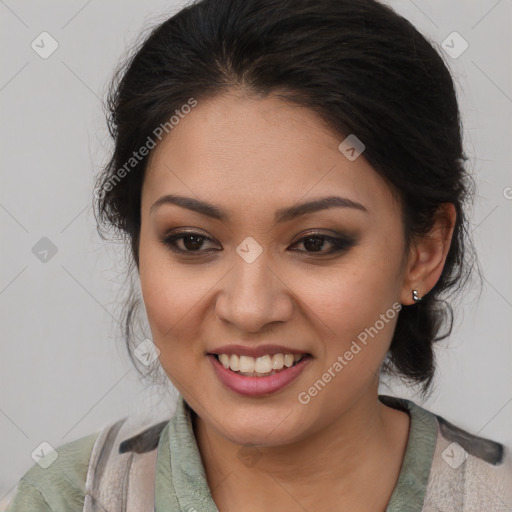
[[339, 243]]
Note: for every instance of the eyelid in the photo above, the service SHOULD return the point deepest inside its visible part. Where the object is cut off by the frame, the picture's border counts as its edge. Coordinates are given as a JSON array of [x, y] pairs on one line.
[[329, 234], [167, 240], [339, 242]]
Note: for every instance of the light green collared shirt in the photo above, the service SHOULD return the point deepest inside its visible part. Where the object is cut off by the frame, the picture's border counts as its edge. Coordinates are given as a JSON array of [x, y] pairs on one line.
[[443, 468]]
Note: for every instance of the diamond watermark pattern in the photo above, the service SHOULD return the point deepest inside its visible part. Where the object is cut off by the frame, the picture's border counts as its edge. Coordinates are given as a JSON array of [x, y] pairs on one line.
[[351, 147], [44, 455], [454, 45], [454, 455], [44, 45], [44, 250], [249, 249], [249, 455], [146, 352]]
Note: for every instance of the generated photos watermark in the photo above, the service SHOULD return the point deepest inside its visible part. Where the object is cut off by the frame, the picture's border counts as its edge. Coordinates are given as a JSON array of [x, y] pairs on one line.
[[143, 151], [304, 397]]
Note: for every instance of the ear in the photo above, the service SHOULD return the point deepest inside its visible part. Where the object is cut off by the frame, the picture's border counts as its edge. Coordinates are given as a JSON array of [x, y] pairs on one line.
[[428, 255]]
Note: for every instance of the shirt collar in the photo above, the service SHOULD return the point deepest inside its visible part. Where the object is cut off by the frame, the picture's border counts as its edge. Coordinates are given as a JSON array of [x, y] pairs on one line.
[[410, 489], [181, 483]]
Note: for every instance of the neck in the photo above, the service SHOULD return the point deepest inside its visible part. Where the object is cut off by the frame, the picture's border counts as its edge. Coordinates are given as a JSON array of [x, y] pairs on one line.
[[343, 460]]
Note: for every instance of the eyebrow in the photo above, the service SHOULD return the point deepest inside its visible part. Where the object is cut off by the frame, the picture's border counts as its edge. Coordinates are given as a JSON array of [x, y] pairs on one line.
[[281, 215]]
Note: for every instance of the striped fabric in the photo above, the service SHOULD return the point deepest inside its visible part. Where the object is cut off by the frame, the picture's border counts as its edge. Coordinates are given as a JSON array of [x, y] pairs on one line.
[[158, 468]]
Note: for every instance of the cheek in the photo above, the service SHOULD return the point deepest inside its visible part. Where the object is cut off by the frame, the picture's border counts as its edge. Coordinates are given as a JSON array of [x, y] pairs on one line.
[[166, 296], [174, 297], [170, 307], [352, 308], [356, 308], [352, 295]]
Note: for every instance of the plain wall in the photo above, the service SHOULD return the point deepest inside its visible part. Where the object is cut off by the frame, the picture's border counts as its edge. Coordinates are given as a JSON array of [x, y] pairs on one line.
[[63, 372]]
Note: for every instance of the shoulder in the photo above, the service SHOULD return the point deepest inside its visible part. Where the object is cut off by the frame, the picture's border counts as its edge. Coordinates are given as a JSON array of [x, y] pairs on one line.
[[468, 472], [62, 478], [57, 481]]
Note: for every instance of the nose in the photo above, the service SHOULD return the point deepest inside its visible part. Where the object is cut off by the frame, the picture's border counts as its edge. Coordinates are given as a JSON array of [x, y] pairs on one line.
[[254, 295]]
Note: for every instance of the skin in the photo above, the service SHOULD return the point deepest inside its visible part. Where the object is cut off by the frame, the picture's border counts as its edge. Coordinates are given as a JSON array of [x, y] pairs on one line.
[[252, 156]]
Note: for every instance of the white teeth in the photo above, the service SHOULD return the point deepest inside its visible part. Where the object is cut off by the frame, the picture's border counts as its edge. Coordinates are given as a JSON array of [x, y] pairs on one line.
[[263, 364], [246, 364], [259, 365], [288, 360], [234, 362], [277, 362], [224, 359]]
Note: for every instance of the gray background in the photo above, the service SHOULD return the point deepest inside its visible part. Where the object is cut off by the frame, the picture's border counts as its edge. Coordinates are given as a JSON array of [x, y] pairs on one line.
[[63, 370]]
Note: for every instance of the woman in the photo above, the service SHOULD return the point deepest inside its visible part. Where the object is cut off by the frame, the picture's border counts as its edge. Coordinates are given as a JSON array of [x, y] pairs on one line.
[[289, 177]]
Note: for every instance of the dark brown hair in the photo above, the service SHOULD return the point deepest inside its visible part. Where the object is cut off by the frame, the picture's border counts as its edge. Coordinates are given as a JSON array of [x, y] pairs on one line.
[[363, 69]]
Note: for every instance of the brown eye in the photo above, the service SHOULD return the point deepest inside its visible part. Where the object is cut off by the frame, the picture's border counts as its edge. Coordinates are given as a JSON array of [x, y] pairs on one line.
[[190, 242], [315, 242]]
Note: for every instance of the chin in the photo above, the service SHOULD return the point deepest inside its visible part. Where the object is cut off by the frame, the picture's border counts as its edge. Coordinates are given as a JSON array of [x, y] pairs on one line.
[[265, 428], [264, 437]]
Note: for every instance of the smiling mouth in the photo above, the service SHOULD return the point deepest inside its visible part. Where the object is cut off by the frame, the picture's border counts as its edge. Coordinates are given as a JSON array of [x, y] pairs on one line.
[[263, 366]]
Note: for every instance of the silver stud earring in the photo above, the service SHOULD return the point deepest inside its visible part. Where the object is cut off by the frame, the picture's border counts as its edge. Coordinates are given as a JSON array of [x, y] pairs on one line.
[[415, 297]]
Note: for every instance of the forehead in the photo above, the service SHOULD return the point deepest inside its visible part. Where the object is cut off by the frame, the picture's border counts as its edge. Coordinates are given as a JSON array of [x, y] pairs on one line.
[[241, 150]]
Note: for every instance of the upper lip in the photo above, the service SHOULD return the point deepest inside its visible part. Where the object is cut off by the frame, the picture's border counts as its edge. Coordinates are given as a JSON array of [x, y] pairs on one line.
[[260, 350]]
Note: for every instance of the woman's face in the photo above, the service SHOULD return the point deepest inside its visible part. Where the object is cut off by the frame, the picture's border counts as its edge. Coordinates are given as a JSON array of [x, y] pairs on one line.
[[259, 279]]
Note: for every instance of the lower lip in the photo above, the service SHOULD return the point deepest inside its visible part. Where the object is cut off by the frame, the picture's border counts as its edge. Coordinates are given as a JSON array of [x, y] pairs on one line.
[[256, 386]]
